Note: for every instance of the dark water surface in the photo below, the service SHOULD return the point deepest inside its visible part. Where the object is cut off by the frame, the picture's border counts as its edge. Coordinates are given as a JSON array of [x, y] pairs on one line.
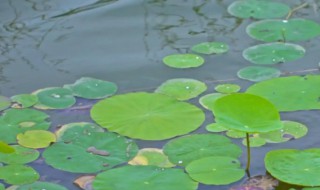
[[47, 43]]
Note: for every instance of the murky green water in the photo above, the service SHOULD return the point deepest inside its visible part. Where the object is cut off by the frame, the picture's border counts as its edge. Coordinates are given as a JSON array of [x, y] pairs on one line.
[[46, 43]]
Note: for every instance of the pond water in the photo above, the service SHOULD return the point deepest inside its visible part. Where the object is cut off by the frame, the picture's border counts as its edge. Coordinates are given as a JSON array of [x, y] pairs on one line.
[[49, 43]]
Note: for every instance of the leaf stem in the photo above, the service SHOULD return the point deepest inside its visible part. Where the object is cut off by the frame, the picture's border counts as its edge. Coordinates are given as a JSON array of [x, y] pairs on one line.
[[295, 9], [248, 155]]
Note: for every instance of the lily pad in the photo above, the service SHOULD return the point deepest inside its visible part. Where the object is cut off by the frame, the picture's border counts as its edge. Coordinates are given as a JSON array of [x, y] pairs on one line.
[[25, 100], [36, 138], [182, 88], [92, 88], [273, 53], [235, 134], [208, 100], [290, 93], [54, 98], [5, 148], [210, 48], [246, 112], [21, 155], [259, 9], [4, 103], [255, 141], [274, 30], [215, 127], [218, 170], [183, 60], [258, 73], [2, 187], [143, 177], [227, 88], [90, 153], [151, 156], [41, 185], [147, 116], [16, 174], [298, 167], [183, 150]]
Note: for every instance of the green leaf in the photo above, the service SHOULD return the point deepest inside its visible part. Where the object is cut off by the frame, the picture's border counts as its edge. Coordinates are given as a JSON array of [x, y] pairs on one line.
[[247, 113], [208, 100], [273, 53], [183, 60], [298, 167], [5, 148], [210, 48], [227, 88], [290, 93], [258, 73], [143, 177], [255, 141], [147, 116], [259, 9], [21, 155], [54, 98], [235, 134], [25, 100], [41, 185], [92, 88], [18, 174], [153, 157], [36, 138], [182, 88], [214, 127], [183, 150], [218, 170], [293, 30], [4, 103]]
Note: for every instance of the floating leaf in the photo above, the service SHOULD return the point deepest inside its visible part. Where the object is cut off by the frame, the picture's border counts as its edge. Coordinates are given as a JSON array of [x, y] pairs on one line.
[[218, 170], [147, 116], [183, 150], [85, 182], [143, 177], [210, 48], [283, 30], [25, 100], [255, 141], [247, 113], [41, 185], [258, 73], [183, 60], [21, 155], [36, 138], [18, 174], [258, 9], [273, 53], [92, 88], [235, 134], [5, 148], [182, 88], [54, 98], [298, 167], [215, 127], [227, 88], [151, 156], [290, 93], [2, 187], [208, 100], [90, 153], [4, 103]]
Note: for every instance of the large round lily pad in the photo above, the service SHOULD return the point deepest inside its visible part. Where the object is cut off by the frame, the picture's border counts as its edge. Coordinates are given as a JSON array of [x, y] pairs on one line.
[[183, 150], [144, 177], [24, 100], [41, 185], [147, 116], [90, 153], [182, 88], [17, 174], [258, 73], [21, 155], [54, 98], [290, 93], [151, 156], [36, 138], [293, 30], [299, 167], [183, 60], [217, 170], [92, 88], [210, 48], [247, 113], [273, 53], [259, 9], [4, 102]]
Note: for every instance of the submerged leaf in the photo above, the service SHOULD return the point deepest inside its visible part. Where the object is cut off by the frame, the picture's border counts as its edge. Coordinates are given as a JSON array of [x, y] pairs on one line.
[[227, 88], [258, 73], [210, 48]]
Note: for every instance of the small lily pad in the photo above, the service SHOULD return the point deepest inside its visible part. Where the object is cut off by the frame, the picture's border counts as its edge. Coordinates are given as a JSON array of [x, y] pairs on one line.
[[41, 185], [5, 148], [210, 48], [21, 155], [183, 150], [54, 98], [255, 141], [258, 73], [208, 100], [218, 170], [25, 100], [227, 88], [259, 9], [36, 138], [298, 167], [183, 60], [16, 174], [151, 156], [215, 127], [182, 88], [143, 177], [92, 88], [273, 53], [292, 30], [4, 102], [235, 134]]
